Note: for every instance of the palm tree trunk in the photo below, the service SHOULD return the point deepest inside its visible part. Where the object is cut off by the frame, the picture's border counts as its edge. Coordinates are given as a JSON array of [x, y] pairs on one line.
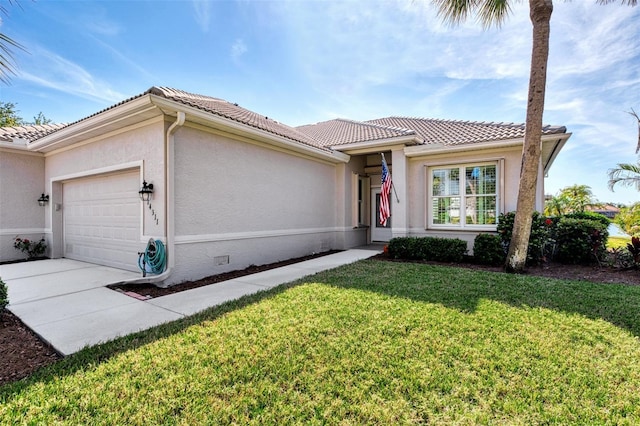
[[540, 14]]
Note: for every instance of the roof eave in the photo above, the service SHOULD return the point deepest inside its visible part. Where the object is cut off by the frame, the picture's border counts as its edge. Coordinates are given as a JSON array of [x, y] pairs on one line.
[[377, 145], [559, 144], [241, 129], [428, 149], [82, 129]]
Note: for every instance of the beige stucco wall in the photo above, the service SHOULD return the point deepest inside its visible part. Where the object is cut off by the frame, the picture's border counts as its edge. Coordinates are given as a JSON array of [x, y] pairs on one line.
[[21, 184], [418, 187], [248, 202], [140, 147]]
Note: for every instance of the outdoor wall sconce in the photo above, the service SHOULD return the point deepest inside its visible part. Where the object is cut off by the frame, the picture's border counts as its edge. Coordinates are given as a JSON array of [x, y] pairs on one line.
[[44, 199], [146, 191]]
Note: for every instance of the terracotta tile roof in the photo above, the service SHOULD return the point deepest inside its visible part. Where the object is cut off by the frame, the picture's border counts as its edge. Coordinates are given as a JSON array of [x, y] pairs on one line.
[[340, 132], [450, 132], [236, 113], [321, 135], [220, 108], [28, 132]]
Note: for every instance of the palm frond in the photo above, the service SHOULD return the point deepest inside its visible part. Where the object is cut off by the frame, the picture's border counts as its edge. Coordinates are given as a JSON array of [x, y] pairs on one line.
[[494, 12], [455, 11], [488, 12], [624, 2], [626, 175], [7, 62]]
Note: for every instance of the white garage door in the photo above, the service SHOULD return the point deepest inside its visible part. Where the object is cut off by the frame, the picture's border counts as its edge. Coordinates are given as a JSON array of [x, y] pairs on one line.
[[102, 220]]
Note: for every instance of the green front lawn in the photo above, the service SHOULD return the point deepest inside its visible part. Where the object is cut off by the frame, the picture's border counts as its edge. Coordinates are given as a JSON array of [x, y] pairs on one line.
[[618, 242], [372, 342]]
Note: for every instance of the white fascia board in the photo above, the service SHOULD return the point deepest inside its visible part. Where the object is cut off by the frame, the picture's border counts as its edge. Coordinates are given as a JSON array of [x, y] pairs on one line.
[[376, 145], [417, 151], [10, 146], [560, 142], [105, 118], [241, 129]]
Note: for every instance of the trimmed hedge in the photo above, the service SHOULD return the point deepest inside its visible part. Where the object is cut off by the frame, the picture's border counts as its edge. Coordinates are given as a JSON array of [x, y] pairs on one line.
[[488, 250], [4, 296], [589, 216], [541, 229], [581, 240], [428, 248]]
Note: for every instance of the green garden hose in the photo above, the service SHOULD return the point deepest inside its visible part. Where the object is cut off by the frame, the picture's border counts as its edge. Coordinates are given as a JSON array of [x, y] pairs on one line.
[[153, 259]]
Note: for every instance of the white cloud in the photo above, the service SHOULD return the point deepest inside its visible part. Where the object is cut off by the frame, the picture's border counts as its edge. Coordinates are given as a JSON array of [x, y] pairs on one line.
[[202, 10], [238, 48], [102, 26], [55, 72]]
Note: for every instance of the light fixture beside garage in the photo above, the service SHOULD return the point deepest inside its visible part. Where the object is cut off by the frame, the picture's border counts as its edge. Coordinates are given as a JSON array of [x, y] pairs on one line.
[[146, 191], [43, 200]]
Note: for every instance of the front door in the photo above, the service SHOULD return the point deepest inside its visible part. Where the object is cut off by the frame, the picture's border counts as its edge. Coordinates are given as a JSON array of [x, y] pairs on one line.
[[378, 232]]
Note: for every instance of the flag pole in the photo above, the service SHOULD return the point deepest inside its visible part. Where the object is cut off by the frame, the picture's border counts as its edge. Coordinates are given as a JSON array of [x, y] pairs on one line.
[[394, 191], [392, 185]]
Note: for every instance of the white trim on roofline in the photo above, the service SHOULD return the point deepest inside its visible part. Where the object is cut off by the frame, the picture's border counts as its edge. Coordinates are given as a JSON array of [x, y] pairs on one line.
[[425, 150], [375, 145], [106, 118], [18, 149], [245, 130]]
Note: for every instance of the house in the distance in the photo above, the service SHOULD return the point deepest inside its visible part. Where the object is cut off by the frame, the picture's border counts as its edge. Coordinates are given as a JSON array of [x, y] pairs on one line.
[[232, 187]]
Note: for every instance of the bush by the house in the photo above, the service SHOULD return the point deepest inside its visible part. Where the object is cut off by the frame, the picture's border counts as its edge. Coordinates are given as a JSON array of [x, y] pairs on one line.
[[4, 296], [633, 248], [488, 249], [581, 240], [31, 248], [428, 248], [541, 239], [589, 216]]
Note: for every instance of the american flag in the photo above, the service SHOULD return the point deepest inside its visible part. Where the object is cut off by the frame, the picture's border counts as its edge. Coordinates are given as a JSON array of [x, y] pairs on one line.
[[385, 210]]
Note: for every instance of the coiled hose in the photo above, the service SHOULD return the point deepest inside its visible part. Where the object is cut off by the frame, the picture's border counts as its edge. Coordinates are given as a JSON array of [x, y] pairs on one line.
[[153, 259]]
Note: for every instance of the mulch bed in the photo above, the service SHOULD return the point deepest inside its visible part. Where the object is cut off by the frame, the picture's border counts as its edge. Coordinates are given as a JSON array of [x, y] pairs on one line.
[[22, 352], [150, 290]]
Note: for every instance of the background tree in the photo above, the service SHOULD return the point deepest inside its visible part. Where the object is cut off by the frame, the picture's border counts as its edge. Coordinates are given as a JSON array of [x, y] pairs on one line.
[[556, 206], [578, 197], [629, 219], [41, 119], [9, 115], [491, 12]]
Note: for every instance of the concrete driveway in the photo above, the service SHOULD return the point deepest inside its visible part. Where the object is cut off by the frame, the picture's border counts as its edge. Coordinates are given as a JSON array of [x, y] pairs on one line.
[[66, 302]]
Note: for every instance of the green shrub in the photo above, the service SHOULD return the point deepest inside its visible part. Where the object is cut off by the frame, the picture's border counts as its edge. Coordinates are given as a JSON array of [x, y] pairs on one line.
[[581, 240], [4, 296], [541, 239], [488, 249], [428, 248], [589, 216]]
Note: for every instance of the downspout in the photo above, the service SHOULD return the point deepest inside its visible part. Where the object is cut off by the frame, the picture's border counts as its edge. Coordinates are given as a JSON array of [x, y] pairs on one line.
[[169, 225]]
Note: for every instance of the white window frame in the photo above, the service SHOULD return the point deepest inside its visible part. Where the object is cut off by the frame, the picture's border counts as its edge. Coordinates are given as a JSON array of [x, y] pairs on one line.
[[430, 208]]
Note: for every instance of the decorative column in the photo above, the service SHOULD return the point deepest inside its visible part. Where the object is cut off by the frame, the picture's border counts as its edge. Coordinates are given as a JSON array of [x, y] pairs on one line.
[[399, 194]]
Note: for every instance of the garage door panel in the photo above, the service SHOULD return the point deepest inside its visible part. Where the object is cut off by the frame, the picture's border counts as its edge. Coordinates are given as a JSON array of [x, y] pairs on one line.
[[102, 220]]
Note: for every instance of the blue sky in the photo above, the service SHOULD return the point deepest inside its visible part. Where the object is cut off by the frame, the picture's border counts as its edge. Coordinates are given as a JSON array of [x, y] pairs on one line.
[[302, 62]]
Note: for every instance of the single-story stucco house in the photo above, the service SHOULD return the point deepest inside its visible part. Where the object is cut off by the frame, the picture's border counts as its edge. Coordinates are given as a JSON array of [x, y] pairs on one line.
[[233, 188]]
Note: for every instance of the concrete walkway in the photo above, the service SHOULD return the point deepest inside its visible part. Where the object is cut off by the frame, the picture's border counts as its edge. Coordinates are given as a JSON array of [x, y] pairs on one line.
[[67, 303]]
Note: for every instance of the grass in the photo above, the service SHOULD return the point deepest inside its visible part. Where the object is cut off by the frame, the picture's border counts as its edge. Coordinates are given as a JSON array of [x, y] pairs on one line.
[[372, 342], [618, 242]]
